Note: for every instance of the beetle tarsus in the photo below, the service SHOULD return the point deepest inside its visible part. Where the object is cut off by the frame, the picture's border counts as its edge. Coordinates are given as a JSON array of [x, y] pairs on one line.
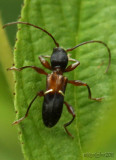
[[97, 99], [71, 111], [14, 68], [18, 121], [68, 131]]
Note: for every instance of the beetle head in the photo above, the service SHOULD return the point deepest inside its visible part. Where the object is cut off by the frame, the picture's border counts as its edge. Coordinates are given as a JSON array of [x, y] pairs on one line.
[[59, 58]]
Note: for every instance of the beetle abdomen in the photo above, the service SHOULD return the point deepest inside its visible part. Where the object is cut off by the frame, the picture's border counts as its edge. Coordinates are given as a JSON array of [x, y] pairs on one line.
[[52, 108]]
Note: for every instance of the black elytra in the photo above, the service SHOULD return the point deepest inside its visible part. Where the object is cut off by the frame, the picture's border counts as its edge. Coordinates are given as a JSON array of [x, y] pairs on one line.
[[51, 114]]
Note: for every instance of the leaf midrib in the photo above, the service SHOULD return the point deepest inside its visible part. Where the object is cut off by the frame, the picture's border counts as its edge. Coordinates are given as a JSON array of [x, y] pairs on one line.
[[75, 98]]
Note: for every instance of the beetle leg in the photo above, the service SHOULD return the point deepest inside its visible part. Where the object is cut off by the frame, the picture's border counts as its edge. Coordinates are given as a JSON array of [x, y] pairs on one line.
[[72, 66], [37, 69], [44, 63], [71, 111], [46, 56], [71, 59], [79, 83], [41, 93]]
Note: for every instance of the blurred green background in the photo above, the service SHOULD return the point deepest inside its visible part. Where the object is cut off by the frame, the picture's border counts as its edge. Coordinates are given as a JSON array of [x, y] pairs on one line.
[[9, 144]]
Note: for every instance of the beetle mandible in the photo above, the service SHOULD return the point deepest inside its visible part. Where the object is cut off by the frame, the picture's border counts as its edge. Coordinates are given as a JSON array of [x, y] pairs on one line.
[[56, 82]]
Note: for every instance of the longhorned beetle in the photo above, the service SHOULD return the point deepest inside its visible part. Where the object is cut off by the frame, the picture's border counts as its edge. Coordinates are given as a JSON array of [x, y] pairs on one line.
[[56, 82]]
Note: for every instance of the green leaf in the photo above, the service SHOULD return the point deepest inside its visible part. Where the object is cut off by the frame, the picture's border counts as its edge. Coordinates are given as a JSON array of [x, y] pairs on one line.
[[70, 22], [107, 126]]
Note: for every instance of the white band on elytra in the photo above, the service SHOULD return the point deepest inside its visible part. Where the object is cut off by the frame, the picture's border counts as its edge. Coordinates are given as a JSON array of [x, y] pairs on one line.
[[51, 90], [48, 91], [61, 92]]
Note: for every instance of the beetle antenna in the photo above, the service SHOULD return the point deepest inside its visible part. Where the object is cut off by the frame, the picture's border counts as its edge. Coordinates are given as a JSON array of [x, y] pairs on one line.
[[8, 24], [109, 63]]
